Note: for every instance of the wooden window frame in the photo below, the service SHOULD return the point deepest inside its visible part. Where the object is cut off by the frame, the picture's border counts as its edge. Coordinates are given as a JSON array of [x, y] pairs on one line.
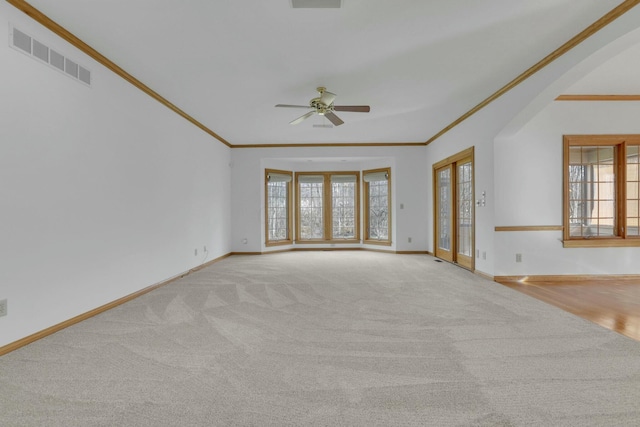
[[327, 208], [621, 239], [367, 238], [289, 239]]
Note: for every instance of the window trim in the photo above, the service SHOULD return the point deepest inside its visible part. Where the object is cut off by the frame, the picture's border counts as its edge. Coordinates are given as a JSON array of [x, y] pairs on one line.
[[289, 239], [367, 238], [621, 239], [327, 208]]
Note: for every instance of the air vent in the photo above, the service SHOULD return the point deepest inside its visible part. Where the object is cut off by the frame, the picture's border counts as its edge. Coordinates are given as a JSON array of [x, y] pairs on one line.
[[57, 60], [27, 44], [40, 51], [21, 41], [71, 67], [84, 75], [316, 4]]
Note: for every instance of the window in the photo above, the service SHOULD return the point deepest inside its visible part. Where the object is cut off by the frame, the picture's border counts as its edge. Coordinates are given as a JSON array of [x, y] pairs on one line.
[[601, 201], [311, 207], [327, 206], [278, 207], [377, 210], [344, 206]]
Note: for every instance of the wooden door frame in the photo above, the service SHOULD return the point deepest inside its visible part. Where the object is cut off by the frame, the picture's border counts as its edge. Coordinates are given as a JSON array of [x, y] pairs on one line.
[[453, 160]]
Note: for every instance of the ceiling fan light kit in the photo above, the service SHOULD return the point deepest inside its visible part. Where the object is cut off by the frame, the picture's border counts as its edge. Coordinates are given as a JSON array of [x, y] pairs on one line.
[[323, 106]]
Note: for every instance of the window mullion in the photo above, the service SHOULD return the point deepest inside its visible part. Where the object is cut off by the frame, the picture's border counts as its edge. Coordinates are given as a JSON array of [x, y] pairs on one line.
[[297, 207], [365, 213], [566, 187], [622, 192], [327, 206]]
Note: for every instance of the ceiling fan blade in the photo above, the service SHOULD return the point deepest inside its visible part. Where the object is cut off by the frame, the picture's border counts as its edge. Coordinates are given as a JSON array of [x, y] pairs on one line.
[[352, 108], [303, 117], [327, 98], [292, 106], [333, 119]]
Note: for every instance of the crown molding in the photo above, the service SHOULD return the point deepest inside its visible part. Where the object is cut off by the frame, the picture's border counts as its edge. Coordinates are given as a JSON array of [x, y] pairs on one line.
[[611, 16], [57, 29]]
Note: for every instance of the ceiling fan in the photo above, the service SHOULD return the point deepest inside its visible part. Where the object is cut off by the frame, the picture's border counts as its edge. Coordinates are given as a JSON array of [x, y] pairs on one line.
[[323, 106]]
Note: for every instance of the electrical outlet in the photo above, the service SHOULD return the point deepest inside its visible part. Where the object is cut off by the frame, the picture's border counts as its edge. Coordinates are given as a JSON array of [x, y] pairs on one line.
[[518, 257], [484, 254], [3, 307], [409, 239], [205, 249], [195, 252]]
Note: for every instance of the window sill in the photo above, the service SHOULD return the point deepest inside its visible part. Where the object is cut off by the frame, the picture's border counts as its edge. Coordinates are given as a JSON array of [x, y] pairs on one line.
[[341, 241], [377, 242], [602, 243], [278, 243]]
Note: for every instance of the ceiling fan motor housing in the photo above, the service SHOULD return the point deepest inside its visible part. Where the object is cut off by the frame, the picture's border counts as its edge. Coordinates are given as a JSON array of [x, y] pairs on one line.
[[323, 106], [320, 107]]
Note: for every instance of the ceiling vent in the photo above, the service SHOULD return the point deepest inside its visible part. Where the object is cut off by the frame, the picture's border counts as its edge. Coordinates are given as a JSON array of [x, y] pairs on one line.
[[316, 4], [28, 45]]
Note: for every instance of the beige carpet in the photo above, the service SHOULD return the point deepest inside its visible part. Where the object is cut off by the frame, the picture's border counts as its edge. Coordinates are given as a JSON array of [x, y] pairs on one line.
[[326, 339]]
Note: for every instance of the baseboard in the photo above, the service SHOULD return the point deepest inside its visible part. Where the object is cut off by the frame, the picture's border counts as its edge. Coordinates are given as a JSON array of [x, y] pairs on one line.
[[484, 275], [208, 263], [386, 251], [316, 249], [569, 278], [276, 251], [84, 316], [325, 249]]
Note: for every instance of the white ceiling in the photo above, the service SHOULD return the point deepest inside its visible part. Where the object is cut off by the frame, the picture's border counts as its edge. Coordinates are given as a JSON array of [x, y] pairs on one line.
[[419, 64]]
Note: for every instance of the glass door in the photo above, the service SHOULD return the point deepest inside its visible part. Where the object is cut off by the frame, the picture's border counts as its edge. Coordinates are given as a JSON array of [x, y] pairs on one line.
[[454, 209], [444, 211], [464, 214]]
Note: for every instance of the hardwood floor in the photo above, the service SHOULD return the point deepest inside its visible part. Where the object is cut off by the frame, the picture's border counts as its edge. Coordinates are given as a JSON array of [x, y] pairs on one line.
[[613, 304]]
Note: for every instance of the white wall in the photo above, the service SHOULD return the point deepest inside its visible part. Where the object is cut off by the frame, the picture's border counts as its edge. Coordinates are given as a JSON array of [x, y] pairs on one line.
[[528, 163], [103, 191], [512, 111], [408, 177], [529, 184], [458, 140]]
